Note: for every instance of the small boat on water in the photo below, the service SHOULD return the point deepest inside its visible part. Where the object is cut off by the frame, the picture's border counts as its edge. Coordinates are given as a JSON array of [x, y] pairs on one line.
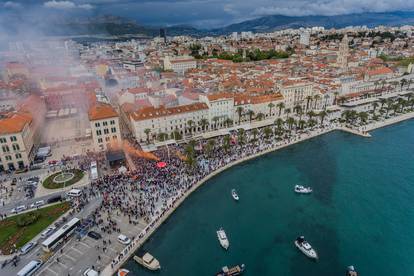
[[222, 237], [350, 271], [232, 271], [305, 247], [147, 261], [123, 272], [302, 190], [234, 195]]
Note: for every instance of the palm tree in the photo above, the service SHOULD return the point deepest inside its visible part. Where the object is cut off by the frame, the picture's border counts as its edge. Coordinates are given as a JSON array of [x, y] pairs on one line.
[[279, 123], [290, 121], [226, 142], [311, 114], [190, 124], [270, 105], [375, 105], [176, 135], [280, 105], [301, 123], [267, 132], [162, 136], [239, 110], [363, 116], [287, 111], [240, 136], [260, 116], [312, 122], [322, 115], [203, 123], [336, 93], [147, 131], [255, 132], [215, 120], [297, 109], [250, 113], [403, 82], [308, 100], [326, 97], [316, 98], [383, 101], [228, 122]]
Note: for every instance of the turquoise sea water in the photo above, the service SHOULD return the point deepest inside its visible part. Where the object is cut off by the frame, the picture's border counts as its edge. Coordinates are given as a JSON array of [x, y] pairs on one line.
[[361, 211]]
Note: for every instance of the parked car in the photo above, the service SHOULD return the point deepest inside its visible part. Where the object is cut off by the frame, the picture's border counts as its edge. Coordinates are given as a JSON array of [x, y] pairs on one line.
[[18, 209], [27, 247], [124, 239], [37, 204], [94, 235], [48, 232]]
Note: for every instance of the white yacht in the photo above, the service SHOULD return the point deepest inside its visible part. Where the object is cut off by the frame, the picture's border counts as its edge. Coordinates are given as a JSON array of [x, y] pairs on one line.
[[148, 261], [234, 195], [302, 190], [222, 237], [305, 247]]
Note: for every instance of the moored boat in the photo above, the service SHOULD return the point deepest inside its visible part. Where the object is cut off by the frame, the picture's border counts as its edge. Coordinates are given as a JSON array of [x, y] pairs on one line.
[[351, 271], [302, 190], [123, 272], [222, 237], [305, 247], [148, 261], [232, 271], [234, 195]]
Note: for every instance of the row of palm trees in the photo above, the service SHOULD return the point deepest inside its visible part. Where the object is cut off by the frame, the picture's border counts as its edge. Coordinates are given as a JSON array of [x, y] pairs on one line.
[[383, 107]]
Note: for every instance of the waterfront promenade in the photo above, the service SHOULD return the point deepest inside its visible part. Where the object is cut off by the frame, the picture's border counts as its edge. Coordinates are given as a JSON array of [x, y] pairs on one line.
[[176, 201]]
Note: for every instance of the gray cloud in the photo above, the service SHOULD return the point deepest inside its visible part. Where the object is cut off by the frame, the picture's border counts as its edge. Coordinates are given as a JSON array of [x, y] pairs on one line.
[[66, 5]]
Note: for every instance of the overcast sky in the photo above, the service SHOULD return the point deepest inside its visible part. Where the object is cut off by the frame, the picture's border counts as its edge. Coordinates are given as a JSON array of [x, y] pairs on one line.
[[201, 13]]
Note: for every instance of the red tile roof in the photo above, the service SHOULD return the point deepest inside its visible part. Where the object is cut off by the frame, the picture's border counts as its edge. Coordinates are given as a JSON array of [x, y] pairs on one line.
[[101, 111]]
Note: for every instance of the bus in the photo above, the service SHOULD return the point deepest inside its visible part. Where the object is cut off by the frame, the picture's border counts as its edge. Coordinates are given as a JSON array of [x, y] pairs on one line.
[[57, 238], [30, 268], [94, 171]]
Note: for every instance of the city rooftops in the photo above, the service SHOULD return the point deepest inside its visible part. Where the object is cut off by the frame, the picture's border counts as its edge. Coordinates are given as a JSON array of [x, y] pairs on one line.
[[101, 111], [14, 122], [152, 112]]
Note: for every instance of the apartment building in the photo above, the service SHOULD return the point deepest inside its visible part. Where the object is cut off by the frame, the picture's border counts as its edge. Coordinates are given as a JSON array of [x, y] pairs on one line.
[[150, 122], [104, 121]]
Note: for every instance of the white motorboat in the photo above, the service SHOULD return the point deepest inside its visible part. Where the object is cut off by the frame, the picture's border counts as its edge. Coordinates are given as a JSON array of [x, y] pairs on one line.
[[302, 190], [222, 237], [148, 261], [234, 195], [351, 271], [305, 247]]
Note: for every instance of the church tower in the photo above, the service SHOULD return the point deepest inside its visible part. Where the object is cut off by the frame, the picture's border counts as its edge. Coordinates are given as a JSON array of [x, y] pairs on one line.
[[342, 59]]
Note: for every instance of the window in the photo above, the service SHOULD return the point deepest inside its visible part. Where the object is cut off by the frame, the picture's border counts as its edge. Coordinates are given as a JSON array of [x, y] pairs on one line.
[[8, 157], [112, 122], [3, 140], [98, 132], [97, 124], [13, 138], [18, 156], [113, 130], [99, 140], [114, 137], [105, 123], [6, 148], [16, 147], [107, 139], [106, 131]]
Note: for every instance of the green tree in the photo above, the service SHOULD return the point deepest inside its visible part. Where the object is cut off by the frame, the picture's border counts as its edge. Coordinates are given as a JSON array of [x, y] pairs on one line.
[[281, 106], [239, 110], [271, 106], [147, 131]]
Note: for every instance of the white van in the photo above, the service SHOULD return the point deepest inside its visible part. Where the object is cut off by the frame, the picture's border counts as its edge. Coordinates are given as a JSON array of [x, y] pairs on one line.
[[90, 272], [30, 268], [19, 209], [74, 193], [27, 247], [124, 239]]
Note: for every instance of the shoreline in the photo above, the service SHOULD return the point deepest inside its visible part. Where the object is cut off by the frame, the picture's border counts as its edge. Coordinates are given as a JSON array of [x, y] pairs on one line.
[[155, 224]]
